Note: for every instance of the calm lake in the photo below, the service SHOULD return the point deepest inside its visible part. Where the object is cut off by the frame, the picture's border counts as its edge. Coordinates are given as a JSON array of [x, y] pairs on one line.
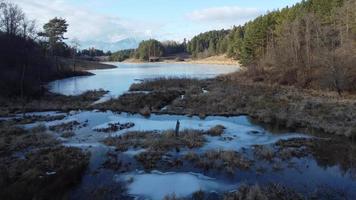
[[118, 80]]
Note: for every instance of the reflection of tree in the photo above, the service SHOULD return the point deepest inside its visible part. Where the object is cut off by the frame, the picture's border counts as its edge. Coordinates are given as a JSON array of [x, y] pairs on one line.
[[353, 151], [326, 152], [334, 152]]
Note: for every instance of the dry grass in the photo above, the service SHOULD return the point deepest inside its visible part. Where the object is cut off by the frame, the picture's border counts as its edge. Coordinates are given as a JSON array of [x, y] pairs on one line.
[[150, 158], [50, 102], [256, 192], [179, 84], [281, 106], [157, 144], [34, 166], [227, 161], [44, 174], [217, 130], [64, 127], [38, 118], [143, 103], [216, 60], [13, 139], [264, 152], [165, 141], [113, 127]]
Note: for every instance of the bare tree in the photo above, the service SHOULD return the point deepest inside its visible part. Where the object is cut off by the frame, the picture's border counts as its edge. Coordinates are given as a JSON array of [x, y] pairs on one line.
[[28, 29], [75, 46], [11, 18]]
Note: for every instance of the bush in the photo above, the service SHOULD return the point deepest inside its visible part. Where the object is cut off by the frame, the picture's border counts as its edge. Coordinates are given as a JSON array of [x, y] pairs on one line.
[[217, 130]]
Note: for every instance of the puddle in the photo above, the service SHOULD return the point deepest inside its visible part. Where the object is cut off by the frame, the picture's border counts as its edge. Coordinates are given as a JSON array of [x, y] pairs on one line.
[[157, 185]]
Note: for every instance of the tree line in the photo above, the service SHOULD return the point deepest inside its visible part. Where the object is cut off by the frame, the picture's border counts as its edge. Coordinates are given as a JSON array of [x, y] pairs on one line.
[[208, 44], [122, 55], [311, 44], [150, 49], [29, 57], [93, 52]]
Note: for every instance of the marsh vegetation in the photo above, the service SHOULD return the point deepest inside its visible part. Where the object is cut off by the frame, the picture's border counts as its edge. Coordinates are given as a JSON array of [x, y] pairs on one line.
[[282, 127]]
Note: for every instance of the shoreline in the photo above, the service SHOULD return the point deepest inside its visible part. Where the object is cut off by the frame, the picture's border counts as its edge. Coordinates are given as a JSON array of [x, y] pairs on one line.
[[226, 95], [289, 108], [213, 60]]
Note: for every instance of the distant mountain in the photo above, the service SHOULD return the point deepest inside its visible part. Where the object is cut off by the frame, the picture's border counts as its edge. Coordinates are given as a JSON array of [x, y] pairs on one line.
[[129, 43]]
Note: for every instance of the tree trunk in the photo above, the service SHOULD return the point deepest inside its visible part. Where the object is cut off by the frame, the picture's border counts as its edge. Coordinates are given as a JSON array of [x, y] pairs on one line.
[[23, 88]]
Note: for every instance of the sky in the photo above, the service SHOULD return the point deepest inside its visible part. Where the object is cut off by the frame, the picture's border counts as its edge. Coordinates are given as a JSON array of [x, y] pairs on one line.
[[114, 20]]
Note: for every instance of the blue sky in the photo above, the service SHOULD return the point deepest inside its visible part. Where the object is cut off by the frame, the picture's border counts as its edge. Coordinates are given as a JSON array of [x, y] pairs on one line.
[[113, 20]]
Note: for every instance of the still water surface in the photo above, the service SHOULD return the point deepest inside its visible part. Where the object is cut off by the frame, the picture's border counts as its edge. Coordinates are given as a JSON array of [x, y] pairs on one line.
[[118, 80], [330, 174], [327, 174]]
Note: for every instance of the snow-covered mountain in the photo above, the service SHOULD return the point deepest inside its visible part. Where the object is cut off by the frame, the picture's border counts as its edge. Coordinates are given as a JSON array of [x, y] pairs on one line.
[[129, 43]]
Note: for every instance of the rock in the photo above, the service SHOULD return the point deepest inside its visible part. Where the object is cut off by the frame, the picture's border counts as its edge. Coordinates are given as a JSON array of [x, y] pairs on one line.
[[146, 111]]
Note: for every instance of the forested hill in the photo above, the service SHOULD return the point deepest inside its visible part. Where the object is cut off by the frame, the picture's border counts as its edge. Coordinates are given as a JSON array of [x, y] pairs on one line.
[[208, 44], [311, 44]]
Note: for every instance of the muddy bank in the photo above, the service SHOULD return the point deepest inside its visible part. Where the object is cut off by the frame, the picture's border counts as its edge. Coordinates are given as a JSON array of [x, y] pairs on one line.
[[280, 106]]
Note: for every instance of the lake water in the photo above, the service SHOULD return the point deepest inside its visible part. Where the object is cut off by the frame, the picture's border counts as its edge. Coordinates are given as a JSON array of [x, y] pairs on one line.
[[118, 80]]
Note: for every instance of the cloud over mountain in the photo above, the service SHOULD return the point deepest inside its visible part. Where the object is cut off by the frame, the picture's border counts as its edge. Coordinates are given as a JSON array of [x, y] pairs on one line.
[[85, 24]]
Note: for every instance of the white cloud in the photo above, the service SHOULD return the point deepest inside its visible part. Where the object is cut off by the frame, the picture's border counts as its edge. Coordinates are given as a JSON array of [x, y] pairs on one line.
[[226, 14], [85, 24]]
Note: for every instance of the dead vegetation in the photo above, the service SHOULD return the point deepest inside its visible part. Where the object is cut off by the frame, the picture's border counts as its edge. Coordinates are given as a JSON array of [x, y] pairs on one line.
[[114, 162], [34, 166], [113, 127], [264, 152], [43, 174], [150, 159], [235, 95], [156, 144], [28, 119], [64, 127], [14, 139], [143, 103], [227, 161], [179, 84], [164, 141], [256, 192], [217, 130], [50, 102]]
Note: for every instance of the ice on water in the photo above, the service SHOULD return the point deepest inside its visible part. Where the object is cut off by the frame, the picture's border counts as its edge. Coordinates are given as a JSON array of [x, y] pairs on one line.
[[157, 185]]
